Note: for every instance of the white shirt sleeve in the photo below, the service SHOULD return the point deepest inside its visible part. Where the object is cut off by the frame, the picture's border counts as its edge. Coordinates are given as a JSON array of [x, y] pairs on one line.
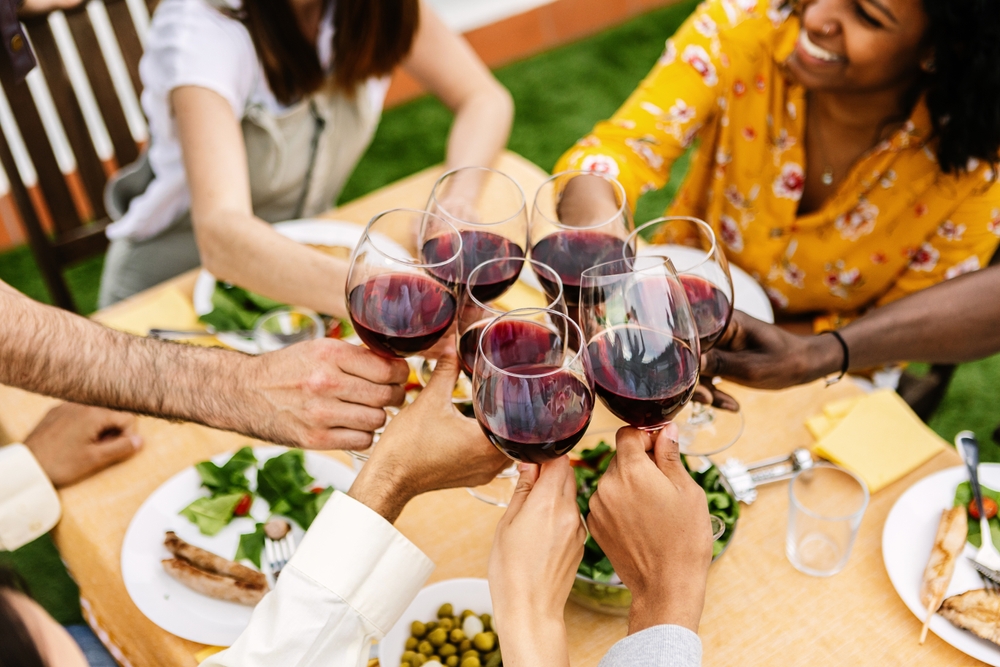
[[29, 505], [192, 43], [347, 585], [658, 646]]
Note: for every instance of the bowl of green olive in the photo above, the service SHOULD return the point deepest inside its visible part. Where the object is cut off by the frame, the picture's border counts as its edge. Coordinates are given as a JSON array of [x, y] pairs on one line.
[[597, 586], [448, 624]]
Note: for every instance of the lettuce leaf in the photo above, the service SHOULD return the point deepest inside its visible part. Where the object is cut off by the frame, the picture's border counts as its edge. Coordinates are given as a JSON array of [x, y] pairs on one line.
[[214, 513]]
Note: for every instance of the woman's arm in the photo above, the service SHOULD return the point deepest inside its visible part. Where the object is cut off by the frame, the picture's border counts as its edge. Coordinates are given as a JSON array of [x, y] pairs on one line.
[[235, 245], [448, 67]]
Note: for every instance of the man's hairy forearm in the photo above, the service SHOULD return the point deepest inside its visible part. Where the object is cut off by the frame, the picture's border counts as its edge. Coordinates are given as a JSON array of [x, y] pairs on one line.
[[52, 352]]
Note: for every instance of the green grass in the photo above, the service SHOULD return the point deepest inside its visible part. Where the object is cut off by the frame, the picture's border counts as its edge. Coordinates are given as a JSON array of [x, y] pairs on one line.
[[559, 96]]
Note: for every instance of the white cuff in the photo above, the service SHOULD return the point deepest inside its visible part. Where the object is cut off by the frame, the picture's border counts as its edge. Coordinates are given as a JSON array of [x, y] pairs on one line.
[[29, 505], [355, 553]]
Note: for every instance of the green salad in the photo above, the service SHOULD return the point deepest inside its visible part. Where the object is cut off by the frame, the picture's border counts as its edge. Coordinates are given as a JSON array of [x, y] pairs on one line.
[[963, 497], [593, 463], [283, 482], [237, 309]]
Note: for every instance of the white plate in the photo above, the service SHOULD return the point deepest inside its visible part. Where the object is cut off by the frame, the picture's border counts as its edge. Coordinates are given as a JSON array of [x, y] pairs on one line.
[[165, 601], [907, 539], [748, 295], [463, 594], [314, 232]]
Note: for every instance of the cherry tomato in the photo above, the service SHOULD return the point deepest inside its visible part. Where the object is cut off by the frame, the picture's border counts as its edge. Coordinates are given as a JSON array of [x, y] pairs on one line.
[[317, 489], [334, 330], [989, 506], [243, 507]]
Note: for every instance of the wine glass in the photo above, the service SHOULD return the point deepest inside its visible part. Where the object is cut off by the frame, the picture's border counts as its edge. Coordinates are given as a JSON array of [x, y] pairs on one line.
[[704, 271], [400, 306], [473, 317], [487, 208], [641, 338], [534, 402], [287, 325], [591, 229]]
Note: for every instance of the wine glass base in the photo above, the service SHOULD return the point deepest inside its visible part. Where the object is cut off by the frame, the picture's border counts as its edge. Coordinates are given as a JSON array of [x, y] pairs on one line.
[[705, 430], [500, 490]]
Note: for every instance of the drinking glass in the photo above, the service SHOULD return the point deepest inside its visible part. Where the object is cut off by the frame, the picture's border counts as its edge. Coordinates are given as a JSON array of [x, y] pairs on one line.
[[281, 327], [487, 207], [573, 238], [704, 271], [826, 504], [400, 306], [473, 317], [533, 401], [641, 339]]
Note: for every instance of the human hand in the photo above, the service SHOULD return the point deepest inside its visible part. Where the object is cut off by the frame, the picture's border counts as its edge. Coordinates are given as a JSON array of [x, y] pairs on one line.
[[323, 394], [34, 7], [587, 200], [429, 445], [757, 354], [651, 518], [72, 442], [536, 550]]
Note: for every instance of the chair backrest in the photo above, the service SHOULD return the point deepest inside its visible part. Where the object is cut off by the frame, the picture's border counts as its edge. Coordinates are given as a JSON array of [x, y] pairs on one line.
[[70, 125]]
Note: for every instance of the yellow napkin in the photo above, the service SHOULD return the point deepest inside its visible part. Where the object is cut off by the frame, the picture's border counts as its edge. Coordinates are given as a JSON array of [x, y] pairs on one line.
[[521, 296], [876, 436], [167, 308], [208, 652]]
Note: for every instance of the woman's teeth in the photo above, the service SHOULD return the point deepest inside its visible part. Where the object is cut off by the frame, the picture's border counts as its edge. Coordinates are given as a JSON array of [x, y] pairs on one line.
[[815, 51]]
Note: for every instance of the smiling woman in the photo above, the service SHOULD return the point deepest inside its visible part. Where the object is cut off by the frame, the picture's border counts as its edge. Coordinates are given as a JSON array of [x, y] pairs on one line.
[[847, 148]]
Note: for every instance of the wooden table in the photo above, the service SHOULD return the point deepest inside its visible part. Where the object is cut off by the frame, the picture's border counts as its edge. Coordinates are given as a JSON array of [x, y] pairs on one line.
[[759, 610]]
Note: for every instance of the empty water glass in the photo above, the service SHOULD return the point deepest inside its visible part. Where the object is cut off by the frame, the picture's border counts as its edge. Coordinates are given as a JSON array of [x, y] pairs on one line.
[[281, 327], [826, 504]]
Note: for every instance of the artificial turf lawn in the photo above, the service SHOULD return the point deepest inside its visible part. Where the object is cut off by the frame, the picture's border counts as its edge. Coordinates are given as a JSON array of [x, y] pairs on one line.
[[559, 96]]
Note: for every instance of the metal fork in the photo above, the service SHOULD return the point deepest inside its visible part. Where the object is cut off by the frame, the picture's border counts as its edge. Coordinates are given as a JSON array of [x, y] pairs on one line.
[[279, 546], [987, 560]]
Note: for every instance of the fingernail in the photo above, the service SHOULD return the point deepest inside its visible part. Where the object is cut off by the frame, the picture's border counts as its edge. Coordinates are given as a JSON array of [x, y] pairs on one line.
[[136, 441], [523, 467]]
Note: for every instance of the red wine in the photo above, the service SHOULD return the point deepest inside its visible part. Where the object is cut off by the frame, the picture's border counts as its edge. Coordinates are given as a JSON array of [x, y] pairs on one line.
[[399, 314], [710, 306], [534, 419], [644, 376], [529, 342], [570, 253], [478, 247]]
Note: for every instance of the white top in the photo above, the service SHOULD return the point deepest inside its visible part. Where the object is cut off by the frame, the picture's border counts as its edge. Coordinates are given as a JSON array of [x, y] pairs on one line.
[[29, 506], [191, 43], [349, 582]]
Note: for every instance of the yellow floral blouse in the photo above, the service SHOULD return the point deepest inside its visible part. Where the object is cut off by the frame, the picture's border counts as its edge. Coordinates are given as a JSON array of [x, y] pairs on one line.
[[895, 225]]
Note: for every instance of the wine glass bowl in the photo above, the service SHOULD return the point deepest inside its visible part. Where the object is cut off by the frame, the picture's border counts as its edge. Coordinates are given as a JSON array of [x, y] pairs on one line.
[[400, 306], [641, 338], [571, 239], [532, 384], [474, 313], [488, 209]]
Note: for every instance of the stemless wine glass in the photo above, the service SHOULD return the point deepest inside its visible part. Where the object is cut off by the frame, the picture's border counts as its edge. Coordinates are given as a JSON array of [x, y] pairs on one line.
[[400, 306], [641, 338], [704, 271], [534, 402], [573, 236], [487, 207], [473, 317]]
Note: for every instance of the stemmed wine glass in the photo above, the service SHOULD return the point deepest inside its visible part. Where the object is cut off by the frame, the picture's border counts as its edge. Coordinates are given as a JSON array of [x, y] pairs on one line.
[[487, 207], [704, 271], [641, 338], [534, 402], [400, 306], [571, 238], [473, 317]]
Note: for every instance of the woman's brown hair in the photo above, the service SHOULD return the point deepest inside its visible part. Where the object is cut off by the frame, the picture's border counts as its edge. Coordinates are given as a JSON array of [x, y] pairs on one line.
[[370, 38]]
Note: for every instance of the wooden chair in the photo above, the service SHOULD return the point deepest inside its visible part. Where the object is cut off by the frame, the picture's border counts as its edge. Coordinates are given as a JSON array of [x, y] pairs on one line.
[[66, 129]]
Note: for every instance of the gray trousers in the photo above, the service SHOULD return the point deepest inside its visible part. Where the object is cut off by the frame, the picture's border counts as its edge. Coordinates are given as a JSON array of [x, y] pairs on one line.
[[133, 266]]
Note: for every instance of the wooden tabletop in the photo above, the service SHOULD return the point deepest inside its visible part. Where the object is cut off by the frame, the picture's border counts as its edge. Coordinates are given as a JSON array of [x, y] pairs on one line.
[[759, 610]]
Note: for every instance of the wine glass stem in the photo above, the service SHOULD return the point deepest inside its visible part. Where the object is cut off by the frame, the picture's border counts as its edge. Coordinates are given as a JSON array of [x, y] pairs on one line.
[[701, 415]]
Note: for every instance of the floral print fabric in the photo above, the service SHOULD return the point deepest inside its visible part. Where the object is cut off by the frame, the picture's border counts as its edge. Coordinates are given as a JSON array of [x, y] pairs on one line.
[[895, 225]]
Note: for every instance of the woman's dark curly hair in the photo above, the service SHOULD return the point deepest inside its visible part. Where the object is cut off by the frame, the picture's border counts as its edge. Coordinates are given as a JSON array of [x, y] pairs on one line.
[[963, 91]]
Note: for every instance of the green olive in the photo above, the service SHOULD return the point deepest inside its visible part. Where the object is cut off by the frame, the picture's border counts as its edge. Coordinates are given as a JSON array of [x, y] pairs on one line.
[[408, 656], [419, 660], [471, 661], [430, 626], [452, 661], [447, 623], [487, 622], [418, 629], [438, 636], [464, 646], [494, 659], [404, 663], [411, 643], [470, 654], [485, 641], [447, 651], [466, 613], [426, 648], [456, 636], [446, 610]]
